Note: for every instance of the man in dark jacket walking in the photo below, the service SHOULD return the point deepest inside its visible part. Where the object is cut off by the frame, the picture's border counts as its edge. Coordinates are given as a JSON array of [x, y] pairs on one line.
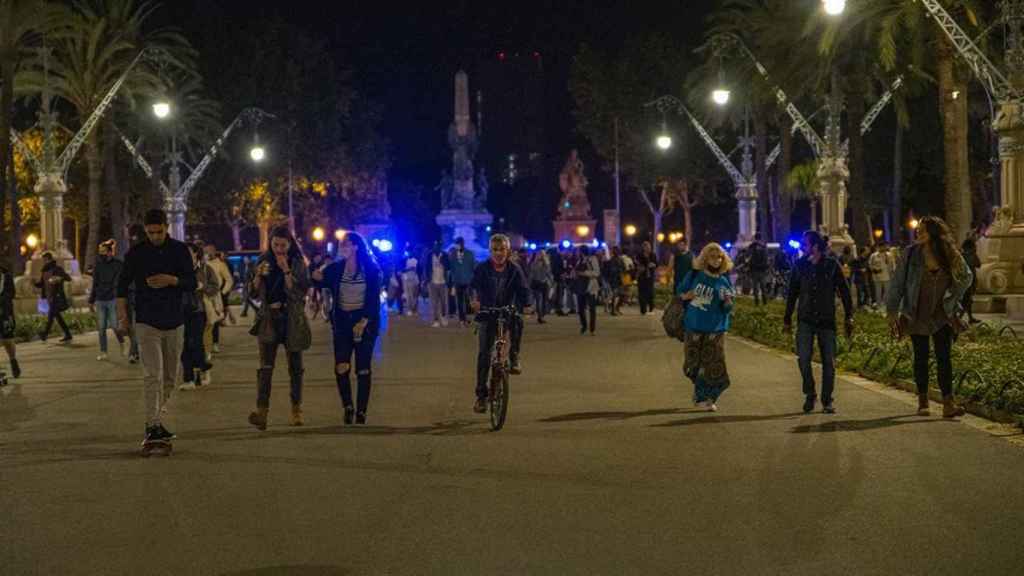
[[52, 285], [462, 263], [103, 298], [759, 267], [813, 285]]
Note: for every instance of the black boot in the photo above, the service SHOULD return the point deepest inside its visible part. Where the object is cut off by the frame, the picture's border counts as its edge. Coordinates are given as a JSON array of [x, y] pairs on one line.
[[15, 368], [362, 397], [344, 382]]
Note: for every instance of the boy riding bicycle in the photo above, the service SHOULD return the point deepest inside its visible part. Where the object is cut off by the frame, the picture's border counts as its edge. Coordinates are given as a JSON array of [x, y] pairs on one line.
[[497, 283]]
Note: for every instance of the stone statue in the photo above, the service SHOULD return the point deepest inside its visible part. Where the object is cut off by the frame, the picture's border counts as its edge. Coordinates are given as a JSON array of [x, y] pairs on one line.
[[482, 188], [446, 187], [574, 204], [463, 140]]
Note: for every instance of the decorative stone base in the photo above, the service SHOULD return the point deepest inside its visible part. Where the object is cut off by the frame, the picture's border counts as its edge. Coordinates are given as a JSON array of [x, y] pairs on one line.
[[988, 305], [1015, 307], [1002, 259], [470, 225], [569, 230], [27, 295]]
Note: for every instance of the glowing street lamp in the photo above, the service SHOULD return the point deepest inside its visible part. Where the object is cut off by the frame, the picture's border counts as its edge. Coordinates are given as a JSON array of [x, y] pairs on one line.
[[162, 109], [914, 223], [582, 231], [340, 234], [661, 237], [630, 230], [664, 142], [834, 7], [318, 234], [721, 96], [257, 153], [878, 233], [32, 241]]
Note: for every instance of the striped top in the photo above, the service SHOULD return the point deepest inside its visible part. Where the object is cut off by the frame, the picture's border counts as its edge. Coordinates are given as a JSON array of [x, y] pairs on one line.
[[352, 291]]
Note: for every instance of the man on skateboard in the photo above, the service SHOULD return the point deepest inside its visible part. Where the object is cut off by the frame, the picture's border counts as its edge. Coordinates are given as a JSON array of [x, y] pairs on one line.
[[161, 270]]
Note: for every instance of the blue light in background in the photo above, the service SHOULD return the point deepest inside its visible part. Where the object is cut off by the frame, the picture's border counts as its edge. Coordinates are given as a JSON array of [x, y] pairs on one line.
[[533, 245], [385, 245], [375, 242], [794, 244], [728, 245], [488, 228], [566, 244]]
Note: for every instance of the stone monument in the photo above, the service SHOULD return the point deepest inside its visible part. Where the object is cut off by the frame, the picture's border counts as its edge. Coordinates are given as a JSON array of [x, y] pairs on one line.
[[574, 221], [463, 210]]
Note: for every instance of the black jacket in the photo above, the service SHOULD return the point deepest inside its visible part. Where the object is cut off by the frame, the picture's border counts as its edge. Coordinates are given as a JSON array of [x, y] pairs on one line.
[[815, 287], [54, 291], [496, 289], [371, 302], [163, 308], [104, 279]]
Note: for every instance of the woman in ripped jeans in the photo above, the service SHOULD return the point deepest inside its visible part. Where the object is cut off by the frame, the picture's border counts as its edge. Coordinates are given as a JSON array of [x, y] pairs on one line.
[[281, 280], [355, 283]]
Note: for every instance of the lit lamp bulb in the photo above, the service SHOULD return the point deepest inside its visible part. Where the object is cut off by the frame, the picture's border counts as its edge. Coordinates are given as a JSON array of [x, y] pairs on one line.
[[834, 7], [340, 234], [720, 96], [32, 241], [630, 230], [257, 153], [915, 223], [161, 110], [661, 237], [664, 142], [582, 231], [318, 234]]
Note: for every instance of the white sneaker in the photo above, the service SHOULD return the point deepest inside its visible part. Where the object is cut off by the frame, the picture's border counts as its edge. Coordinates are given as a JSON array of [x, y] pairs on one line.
[[102, 356], [408, 313], [435, 325], [205, 378], [187, 386], [209, 358], [444, 322], [216, 348], [712, 407]]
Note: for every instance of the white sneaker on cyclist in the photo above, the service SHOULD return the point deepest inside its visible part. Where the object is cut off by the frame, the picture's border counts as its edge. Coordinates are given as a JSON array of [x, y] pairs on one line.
[[435, 325]]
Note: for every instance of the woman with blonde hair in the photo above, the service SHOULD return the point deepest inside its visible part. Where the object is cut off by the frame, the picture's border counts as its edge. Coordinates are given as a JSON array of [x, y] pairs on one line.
[[924, 301], [709, 296]]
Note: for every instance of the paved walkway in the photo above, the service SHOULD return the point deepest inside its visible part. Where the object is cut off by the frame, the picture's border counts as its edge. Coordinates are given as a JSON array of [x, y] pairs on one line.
[[603, 468]]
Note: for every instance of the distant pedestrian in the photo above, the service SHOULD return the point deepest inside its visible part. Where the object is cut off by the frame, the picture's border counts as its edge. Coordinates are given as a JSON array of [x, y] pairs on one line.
[[970, 254], [925, 302], [647, 267], [709, 294], [541, 281], [7, 319], [162, 272], [612, 271], [436, 271], [103, 296], [859, 267], [281, 281], [245, 274], [558, 273], [759, 266], [194, 360], [411, 284], [52, 285], [586, 287], [882, 266], [814, 283], [354, 281], [463, 263]]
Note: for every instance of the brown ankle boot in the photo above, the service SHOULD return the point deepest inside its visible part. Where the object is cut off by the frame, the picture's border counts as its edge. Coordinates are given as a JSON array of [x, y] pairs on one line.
[[297, 415], [950, 408], [922, 405], [259, 417]]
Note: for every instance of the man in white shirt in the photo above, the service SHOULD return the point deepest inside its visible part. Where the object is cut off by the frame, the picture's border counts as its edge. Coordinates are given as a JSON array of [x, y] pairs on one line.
[[411, 284], [437, 270], [881, 264]]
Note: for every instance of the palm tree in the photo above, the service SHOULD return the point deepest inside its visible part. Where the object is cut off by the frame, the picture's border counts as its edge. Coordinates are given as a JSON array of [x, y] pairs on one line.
[[102, 38], [803, 184]]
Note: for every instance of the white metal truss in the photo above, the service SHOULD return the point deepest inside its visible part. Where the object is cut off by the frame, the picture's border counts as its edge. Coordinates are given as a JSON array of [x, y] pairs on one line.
[[248, 116], [669, 103]]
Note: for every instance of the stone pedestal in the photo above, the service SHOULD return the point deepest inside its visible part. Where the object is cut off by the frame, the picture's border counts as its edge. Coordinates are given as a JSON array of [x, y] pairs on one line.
[[1002, 251], [569, 230], [51, 188], [470, 225], [832, 175], [746, 204]]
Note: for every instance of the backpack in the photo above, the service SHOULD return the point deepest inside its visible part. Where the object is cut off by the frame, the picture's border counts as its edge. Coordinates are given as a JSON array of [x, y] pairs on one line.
[[758, 257]]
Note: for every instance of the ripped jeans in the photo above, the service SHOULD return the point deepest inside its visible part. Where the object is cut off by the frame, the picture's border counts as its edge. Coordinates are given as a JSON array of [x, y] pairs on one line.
[[268, 357], [344, 347]]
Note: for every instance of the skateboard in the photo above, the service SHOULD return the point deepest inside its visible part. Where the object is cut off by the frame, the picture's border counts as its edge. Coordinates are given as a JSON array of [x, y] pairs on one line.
[[156, 447]]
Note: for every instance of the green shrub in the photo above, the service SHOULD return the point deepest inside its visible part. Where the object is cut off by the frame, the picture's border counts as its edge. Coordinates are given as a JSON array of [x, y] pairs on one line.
[[28, 326]]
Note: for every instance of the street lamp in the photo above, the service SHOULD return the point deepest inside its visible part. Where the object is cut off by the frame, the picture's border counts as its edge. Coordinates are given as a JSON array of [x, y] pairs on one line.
[[318, 234], [582, 231], [32, 241], [914, 223], [720, 96], [162, 109], [257, 153], [340, 234], [630, 230], [834, 7], [664, 141]]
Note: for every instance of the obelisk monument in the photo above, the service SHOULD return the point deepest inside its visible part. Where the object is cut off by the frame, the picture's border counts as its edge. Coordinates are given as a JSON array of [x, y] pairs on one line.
[[463, 211]]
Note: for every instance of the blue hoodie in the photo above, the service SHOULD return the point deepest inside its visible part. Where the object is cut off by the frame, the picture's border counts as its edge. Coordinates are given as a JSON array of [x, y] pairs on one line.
[[708, 312]]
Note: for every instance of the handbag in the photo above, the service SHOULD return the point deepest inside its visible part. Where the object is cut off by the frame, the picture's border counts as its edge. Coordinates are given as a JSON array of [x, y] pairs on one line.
[[672, 319]]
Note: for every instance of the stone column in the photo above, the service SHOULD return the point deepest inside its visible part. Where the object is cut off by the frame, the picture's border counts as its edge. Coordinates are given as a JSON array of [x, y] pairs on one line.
[[746, 202], [176, 209], [832, 176], [1002, 251], [50, 190]]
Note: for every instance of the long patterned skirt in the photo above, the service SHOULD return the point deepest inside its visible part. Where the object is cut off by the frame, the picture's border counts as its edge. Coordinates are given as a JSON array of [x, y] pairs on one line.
[[705, 365]]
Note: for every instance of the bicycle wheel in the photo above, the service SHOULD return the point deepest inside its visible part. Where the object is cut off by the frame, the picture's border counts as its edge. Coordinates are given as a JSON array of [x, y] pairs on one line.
[[499, 399]]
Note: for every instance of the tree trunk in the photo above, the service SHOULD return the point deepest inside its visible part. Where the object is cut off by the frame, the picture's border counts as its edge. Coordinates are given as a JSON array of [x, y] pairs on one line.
[[264, 235], [855, 191], [814, 214], [94, 166], [896, 201], [113, 190], [236, 235], [761, 174], [17, 262], [953, 109], [7, 63], [783, 220]]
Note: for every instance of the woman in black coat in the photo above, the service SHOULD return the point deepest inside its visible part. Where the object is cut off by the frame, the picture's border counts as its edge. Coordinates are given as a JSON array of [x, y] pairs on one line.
[[355, 284]]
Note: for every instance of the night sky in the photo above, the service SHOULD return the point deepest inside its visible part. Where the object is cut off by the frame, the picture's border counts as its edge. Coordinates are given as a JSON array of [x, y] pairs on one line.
[[404, 57]]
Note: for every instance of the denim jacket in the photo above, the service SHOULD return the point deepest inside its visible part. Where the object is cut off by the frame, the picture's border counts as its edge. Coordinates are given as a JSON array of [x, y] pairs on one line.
[[906, 285]]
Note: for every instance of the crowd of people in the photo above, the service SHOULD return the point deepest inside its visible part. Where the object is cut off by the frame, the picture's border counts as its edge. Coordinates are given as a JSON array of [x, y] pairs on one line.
[[167, 300]]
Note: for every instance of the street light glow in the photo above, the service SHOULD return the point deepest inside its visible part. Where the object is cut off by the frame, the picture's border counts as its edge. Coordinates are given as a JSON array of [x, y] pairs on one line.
[[340, 234], [720, 96], [257, 153], [582, 231], [914, 223], [161, 110], [32, 241], [318, 234], [664, 141], [834, 7], [630, 230]]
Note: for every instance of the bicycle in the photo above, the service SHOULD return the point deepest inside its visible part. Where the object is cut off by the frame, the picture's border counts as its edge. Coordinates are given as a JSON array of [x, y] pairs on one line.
[[498, 391]]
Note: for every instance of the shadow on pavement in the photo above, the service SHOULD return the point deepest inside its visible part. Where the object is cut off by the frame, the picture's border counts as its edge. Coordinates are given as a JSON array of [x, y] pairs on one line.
[[447, 428], [295, 570], [727, 418], [861, 425], [616, 415]]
